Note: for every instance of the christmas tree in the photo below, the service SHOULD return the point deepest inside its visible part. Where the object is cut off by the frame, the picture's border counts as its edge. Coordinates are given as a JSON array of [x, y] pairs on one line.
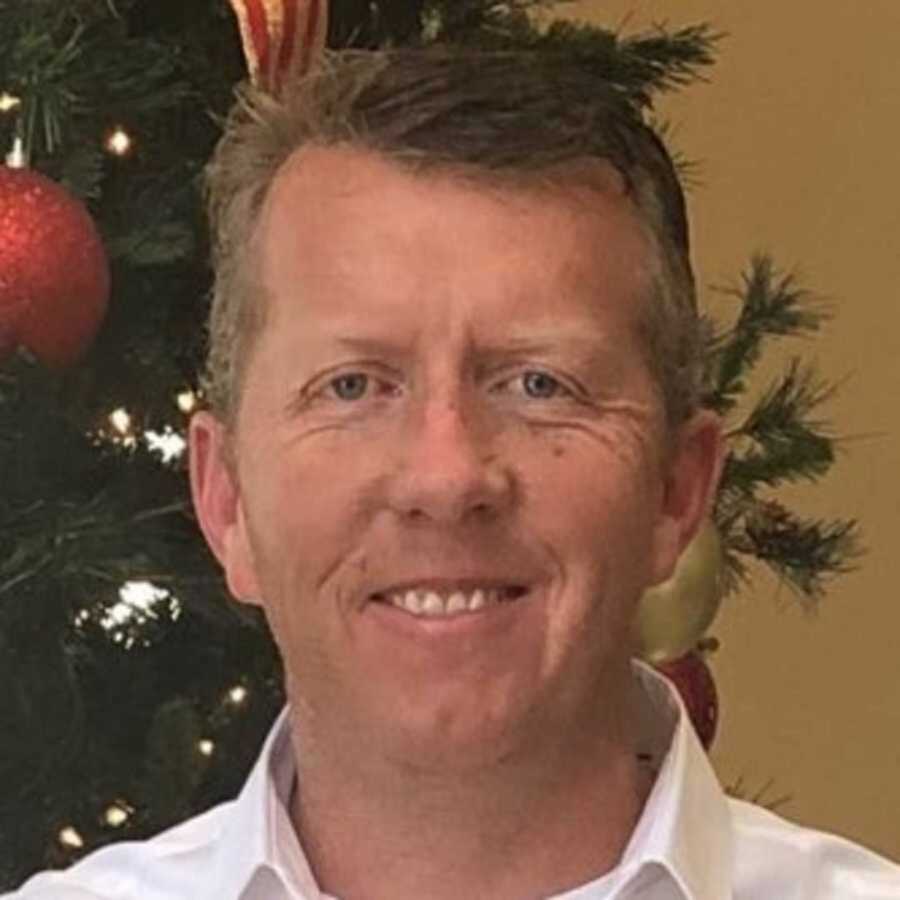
[[137, 692]]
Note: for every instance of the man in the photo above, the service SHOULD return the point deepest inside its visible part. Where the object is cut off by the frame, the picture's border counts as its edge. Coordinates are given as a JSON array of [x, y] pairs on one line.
[[454, 434]]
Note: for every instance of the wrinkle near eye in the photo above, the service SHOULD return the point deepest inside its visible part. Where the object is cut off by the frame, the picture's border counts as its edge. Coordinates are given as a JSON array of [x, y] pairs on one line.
[[628, 428], [375, 391]]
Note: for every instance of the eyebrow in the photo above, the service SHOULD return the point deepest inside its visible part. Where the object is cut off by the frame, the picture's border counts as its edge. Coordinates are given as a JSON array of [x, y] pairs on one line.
[[568, 339]]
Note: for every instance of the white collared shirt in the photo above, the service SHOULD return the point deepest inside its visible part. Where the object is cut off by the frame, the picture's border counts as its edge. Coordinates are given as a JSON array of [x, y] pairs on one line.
[[692, 842]]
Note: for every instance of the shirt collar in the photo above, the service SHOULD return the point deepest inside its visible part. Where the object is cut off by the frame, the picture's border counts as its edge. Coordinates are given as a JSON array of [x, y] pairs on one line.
[[258, 835], [684, 828]]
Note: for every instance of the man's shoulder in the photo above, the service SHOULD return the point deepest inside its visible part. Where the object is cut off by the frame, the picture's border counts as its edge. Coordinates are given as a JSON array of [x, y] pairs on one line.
[[773, 855], [160, 868]]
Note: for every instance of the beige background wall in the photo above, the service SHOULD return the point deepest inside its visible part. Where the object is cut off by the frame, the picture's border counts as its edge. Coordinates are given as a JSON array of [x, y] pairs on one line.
[[798, 133]]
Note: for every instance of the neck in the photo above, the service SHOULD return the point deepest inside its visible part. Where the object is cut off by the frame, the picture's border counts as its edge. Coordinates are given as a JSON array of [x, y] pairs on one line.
[[532, 824]]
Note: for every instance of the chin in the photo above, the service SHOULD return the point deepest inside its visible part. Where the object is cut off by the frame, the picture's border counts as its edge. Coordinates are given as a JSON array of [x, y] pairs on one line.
[[457, 737]]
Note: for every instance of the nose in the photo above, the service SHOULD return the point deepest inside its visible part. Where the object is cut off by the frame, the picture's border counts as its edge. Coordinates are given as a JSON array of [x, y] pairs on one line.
[[449, 470]]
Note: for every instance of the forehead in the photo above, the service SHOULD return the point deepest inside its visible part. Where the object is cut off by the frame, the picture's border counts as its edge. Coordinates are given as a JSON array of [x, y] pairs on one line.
[[338, 219], [344, 173]]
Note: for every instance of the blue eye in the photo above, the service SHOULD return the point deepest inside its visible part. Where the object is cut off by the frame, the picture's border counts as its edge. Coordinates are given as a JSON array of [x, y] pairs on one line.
[[540, 385], [357, 383]]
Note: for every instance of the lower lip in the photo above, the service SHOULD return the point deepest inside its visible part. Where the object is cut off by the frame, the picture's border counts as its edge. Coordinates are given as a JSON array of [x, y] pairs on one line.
[[495, 617]]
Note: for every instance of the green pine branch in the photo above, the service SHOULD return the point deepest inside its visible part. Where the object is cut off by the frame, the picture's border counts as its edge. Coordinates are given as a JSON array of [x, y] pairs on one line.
[[804, 553], [772, 305], [741, 791], [780, 441], [641, 65], [72, 65]]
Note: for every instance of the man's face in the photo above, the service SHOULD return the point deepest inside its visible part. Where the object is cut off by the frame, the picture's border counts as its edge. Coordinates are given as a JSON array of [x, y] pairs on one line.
[[447, 394]]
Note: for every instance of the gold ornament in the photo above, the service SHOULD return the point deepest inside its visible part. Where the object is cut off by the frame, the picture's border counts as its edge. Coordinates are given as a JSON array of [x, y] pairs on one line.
[[673, 616]]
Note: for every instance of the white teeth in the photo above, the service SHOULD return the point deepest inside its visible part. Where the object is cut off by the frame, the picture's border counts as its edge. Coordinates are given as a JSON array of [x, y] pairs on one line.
[[412, 601], [456, 602], [432, 604]]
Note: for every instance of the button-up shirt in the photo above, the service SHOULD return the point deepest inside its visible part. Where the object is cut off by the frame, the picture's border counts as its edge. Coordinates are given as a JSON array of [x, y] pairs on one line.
[[691, 842]]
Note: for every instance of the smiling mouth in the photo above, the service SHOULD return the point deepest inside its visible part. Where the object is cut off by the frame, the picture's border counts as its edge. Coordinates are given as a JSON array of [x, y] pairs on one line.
[[435, 604]]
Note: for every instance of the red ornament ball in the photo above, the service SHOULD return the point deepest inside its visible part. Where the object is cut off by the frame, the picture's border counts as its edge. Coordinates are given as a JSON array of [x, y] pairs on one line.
[[694, 681], [54, 273]]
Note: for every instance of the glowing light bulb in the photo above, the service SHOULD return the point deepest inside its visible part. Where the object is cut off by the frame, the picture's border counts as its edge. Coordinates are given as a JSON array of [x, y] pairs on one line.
[[8, 103], [17, 158], [237, 695], [70, 838], [119, 142], [116, 816], [167, 444], [187, 401], [120, 420], [206, 747]]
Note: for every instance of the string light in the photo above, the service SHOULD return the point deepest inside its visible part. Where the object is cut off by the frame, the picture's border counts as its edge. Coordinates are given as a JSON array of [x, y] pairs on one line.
[[120, 420], [119, 142], [70, 838], [122, 432], [17, 158], [142, 611], [432, 25], [237, 695], [168, 443], [118, 428], [117, 814], [187, 401], [206, 747], [8, 103]]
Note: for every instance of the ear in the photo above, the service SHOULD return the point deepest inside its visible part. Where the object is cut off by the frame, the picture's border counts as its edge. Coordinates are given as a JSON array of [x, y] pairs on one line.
[[691, 478], [217, 500]]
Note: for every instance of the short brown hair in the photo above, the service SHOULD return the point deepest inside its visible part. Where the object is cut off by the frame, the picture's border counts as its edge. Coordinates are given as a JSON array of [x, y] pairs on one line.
[[496, 114]]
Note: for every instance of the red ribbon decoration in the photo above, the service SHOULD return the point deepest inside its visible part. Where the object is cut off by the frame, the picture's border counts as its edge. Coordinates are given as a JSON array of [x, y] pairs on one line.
[[280, 36]]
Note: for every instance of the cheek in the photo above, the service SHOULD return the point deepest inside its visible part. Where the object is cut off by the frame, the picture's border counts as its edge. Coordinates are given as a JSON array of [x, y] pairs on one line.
[[305, 481], [593, 510], [587, 478], [299, 523], [317, 521]]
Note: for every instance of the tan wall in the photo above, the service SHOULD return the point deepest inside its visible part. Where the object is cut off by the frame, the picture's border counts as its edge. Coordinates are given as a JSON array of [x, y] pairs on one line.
[[798, 133]]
